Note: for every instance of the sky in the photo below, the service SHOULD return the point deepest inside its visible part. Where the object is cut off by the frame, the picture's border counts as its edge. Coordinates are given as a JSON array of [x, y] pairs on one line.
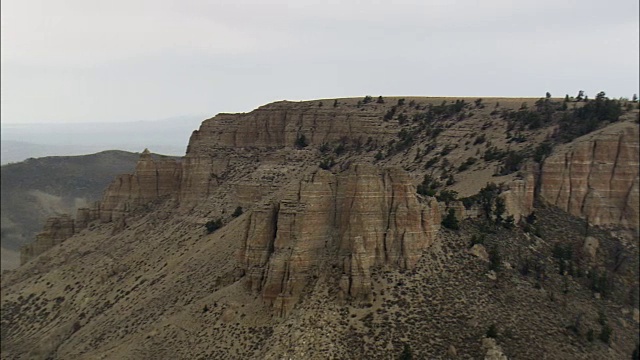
[[114, 61]]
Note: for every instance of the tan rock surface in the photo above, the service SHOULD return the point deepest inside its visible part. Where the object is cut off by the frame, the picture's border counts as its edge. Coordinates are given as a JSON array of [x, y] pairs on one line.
[[351, 257], [153, 179], [596, 177], [363, 218], [56, 230]]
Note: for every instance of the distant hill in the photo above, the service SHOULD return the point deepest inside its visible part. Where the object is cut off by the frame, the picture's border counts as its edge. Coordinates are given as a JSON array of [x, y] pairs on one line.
[[35, 189], [23, 141]]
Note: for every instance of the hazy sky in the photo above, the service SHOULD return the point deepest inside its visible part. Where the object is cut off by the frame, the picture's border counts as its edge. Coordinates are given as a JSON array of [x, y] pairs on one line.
[[79, 60]]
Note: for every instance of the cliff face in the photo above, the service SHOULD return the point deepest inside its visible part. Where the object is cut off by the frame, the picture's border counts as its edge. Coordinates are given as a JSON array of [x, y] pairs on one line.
[[151, 180], [596, 177], [310, 239], [271, 126], [350, 223], [56, 230]]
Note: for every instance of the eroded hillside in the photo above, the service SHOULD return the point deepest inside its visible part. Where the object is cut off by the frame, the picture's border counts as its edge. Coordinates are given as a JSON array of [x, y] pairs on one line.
[[313, 230], [36, 189]]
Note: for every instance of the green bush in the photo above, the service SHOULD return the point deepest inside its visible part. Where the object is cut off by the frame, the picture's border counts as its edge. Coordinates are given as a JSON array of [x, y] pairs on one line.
[[237, 212], [406, 354], [213, 225], [301, 142], [447, 196], [478, 239], [492, 332], [480, 139], [327, 163], [605, 334], [431, 162], [495, 259], [450, 221], [428, 186]]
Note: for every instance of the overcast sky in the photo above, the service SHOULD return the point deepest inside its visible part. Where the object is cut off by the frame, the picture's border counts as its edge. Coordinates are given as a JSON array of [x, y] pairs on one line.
[[117, 60]]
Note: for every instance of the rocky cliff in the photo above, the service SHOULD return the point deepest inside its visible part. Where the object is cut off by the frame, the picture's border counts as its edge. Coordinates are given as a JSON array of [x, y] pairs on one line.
[[151, 180], [333, 238], [350, 222], [596, 177], [216, 148], [56, 230]]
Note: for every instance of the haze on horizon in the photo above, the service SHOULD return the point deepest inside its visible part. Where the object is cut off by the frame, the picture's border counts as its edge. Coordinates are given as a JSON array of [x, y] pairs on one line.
[[77, 61]]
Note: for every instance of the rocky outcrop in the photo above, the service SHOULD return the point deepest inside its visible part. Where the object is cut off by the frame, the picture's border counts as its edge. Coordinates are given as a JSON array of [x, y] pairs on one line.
[[56, 230], [269, 127], [152, 179], [519, 196], [281, 123], [596, 177], [349, 222], [84, 216], [494, 351]]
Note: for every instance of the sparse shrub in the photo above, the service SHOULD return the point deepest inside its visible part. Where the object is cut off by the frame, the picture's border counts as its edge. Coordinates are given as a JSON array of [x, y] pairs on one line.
[[327, 163], [512, 162], [480, 139], [380, 100], [301, 141], [465, 165], [478, 239], [450, 221], [590, 335], [406, 354], [500, 209], [447, 196], [525, 267], [367, 99], [379, 156], [605, 334], [450, 180], [509, 222], [428, 186], [390, 114], [335, 103], [493, 153], [431, 162], [495, 259], [492, 332], [237, 212], [446, 150], [213, 225], [324, 148]]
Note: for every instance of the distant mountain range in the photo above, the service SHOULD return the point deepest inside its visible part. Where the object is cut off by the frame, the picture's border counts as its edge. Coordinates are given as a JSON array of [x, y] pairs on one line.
[[23, 141]]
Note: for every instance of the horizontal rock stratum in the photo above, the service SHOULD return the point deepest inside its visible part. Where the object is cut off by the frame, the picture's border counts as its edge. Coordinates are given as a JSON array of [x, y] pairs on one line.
[[596, 177], [325, 248]]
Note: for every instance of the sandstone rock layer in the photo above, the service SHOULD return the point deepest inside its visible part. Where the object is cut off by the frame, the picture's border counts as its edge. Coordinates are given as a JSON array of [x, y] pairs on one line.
[[349, 222], [596, 177]]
